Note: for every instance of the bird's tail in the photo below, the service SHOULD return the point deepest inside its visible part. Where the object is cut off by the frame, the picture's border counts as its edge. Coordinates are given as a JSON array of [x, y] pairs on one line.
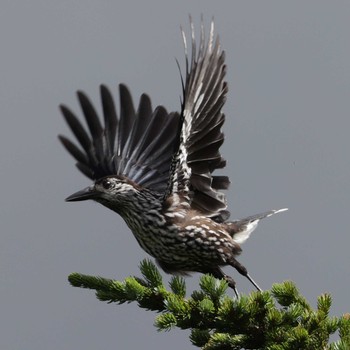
[[241, 229]]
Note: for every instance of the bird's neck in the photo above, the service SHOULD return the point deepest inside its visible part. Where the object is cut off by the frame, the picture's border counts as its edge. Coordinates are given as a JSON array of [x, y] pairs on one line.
[[137, 207]]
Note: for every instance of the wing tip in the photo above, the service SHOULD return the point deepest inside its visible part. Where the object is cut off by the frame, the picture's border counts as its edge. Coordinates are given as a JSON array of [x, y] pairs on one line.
[[64, 109]]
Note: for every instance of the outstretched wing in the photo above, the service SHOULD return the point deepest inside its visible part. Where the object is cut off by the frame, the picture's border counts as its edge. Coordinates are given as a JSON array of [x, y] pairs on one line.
[[204, 93], [138, 145]]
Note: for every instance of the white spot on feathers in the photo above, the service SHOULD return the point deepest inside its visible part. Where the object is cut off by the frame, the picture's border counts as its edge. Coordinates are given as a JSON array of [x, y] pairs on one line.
[[242, 236]]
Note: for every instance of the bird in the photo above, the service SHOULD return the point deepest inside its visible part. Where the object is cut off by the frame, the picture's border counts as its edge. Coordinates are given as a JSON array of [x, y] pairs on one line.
[[156, 168]]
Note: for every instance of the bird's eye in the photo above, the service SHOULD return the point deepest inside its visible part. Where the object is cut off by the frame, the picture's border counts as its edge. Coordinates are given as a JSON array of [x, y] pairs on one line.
[[107, 184]]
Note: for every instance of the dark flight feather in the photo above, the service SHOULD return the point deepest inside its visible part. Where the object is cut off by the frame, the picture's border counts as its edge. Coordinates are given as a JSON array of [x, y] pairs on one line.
[[198, 155], [138, 145]]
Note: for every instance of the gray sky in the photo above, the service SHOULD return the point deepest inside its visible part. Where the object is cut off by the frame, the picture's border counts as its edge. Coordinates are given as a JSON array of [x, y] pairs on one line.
[[286, 145]]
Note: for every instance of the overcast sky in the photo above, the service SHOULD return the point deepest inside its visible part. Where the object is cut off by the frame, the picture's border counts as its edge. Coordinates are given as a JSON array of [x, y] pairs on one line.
[[287, 145]]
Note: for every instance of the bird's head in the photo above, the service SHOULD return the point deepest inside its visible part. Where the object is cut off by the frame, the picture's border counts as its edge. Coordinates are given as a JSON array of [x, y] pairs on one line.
[[109, 191]]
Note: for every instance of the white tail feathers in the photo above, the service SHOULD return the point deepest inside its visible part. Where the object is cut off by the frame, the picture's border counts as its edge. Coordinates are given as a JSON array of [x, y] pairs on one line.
[[247, 225]]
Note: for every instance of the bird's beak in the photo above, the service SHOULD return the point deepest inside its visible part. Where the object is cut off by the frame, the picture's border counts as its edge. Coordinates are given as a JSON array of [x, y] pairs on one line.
[[83, 195]]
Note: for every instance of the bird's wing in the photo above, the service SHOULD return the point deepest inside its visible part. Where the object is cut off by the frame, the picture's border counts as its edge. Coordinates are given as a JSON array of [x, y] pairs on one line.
[[138, 144], [200, 136]]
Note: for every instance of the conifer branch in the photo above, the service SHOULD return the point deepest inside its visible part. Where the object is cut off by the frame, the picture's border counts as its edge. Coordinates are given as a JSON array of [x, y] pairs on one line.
[[280, 319]]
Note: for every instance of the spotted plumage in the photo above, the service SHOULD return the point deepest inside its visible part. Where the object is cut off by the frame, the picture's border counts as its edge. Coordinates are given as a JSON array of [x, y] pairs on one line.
[[155, 168]]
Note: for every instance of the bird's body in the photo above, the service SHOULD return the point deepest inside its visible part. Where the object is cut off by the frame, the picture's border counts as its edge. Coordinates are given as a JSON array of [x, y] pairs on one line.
[[175, 239], [154, 168]]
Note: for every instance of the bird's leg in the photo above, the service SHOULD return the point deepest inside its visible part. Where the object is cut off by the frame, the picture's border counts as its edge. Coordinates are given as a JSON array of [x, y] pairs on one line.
[[243, 271], [218, 273]]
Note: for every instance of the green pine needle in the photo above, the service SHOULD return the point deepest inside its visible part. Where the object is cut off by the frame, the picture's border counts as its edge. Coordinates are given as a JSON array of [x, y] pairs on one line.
[[178, 286], [151, 273]]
